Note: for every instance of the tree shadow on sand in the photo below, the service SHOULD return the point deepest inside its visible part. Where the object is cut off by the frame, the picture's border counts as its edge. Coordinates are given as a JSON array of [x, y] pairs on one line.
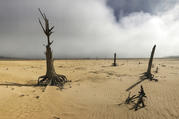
[[18, 84], [42, 87], [8, 84], [135, 84], [144, 76]]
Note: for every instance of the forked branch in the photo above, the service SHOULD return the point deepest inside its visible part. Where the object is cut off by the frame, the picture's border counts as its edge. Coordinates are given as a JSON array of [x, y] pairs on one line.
[[46, 28]]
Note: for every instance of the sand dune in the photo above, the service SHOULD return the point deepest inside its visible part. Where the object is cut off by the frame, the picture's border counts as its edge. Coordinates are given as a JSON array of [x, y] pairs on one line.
[[97, 90]]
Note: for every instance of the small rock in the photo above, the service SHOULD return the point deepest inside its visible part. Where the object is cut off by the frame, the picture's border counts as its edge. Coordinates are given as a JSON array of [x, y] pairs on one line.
[[56, 117], [21, 95], [163, 65]]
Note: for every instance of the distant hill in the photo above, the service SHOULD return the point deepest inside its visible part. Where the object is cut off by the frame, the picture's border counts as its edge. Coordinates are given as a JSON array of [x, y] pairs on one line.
[[172, 57], [56, 58], [2, 57], [17, 58]]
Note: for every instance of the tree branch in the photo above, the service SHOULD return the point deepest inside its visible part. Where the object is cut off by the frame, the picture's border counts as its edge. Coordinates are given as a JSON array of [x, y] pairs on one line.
[[51, 28], [43, 15], [51, 42], [46, 28], [42, 26]]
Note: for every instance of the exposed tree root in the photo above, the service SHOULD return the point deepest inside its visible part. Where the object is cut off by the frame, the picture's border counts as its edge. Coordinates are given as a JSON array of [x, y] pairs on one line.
[[144, 77], [56, 80], [149, 76]]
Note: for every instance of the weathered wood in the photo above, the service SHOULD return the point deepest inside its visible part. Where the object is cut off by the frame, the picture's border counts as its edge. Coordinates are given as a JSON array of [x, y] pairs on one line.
[[114, 63], [140, 99], [130, 99], [148, 74], [137, 100], [51, 77], [151, 59]]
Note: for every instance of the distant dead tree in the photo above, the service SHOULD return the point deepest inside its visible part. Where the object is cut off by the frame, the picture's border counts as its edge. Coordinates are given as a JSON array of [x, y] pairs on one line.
[[156, 71], [51, 77], [114, 63]]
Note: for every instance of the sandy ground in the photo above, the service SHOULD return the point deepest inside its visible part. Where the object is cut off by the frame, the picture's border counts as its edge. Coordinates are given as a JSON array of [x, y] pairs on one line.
[[97, 90]]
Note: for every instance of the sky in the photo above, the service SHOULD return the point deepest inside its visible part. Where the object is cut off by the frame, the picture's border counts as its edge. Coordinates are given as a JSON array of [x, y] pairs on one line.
[[90, 28]]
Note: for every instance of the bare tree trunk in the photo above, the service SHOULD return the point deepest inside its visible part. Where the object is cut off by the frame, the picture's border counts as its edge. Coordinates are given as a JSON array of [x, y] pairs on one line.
[[51, 77], [148, 74], [114, 63], [49, 63], [151, 59]]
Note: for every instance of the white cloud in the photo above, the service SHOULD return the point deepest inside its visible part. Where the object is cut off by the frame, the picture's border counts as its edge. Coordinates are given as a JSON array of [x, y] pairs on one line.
[[87, 28], [143, 30]]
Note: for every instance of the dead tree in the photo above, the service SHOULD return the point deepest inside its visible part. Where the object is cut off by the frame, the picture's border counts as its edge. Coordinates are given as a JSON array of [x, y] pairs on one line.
[[130, 99], [114, 63], [148, 74], [137, 100], [51, 77], [150, 61], [140, 99]]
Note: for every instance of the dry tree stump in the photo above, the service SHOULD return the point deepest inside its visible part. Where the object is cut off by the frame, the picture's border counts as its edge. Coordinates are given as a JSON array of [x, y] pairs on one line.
[[156, 71], [148, 74], [130, 99], [114, 63], [51, 77], [138, 101]]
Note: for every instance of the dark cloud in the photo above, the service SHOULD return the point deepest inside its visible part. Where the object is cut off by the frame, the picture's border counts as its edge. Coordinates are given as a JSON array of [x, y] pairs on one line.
[[87, 28], [123, 8]]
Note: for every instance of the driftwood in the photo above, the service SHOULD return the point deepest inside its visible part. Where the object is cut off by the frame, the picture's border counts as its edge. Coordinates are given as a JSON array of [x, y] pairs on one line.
[[51, 77], [139, 99], [114, 63]]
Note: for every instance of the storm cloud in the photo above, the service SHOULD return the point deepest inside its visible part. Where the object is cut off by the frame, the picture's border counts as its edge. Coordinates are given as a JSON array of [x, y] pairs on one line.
[[122, 8], [90, 28]]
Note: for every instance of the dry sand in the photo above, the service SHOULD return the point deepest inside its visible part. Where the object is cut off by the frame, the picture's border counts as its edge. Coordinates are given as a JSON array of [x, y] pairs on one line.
[[96, 90]]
